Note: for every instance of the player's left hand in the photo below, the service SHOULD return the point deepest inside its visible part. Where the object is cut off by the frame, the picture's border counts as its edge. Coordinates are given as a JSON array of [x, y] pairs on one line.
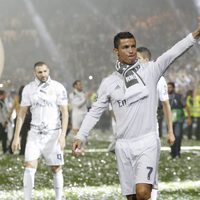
[[77, 148], [170, 138]]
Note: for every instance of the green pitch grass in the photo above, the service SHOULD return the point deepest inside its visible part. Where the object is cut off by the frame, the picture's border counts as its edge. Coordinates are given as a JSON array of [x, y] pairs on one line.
[[94, 175]]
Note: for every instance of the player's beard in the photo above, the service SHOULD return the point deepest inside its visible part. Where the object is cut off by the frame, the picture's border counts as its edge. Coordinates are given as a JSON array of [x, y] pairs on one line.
[[43, 79]]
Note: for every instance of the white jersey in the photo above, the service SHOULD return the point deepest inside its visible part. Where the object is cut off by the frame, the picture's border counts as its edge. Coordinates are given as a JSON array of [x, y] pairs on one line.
[[44, 100], [78, 101], [133, 120], [3, 112], [162, 89]]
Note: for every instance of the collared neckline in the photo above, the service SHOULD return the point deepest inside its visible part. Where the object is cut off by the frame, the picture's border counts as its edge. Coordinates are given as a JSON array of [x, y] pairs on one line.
[[38, 82]]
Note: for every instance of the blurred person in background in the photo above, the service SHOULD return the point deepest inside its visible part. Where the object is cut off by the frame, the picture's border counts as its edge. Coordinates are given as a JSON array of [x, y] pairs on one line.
[[196, 112], [48, 103], [26, 125], [189, 105], [11, 97], [132, 91], [13, 111], [144, 55], [4, 118], [177, 107], [79, 101]]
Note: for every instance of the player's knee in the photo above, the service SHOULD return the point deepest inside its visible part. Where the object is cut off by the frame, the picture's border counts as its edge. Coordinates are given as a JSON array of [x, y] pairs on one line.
[[55, 169], [32, 164], [143, 194]]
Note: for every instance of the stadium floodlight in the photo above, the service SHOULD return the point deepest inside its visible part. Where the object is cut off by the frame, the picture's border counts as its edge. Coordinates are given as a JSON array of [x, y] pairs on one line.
[[90, 77]]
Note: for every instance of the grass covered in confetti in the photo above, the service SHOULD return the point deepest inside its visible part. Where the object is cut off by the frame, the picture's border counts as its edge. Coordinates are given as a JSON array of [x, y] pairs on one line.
[[94, 175]]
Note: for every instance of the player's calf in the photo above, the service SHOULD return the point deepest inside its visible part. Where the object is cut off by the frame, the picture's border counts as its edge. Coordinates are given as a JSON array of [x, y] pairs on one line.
[[28, 182]]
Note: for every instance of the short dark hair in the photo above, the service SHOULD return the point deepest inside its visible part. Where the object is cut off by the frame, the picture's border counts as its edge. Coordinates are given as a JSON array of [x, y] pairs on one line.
[[172, 84], [39, 63], [122, 35], [75, 82], [145, 50]]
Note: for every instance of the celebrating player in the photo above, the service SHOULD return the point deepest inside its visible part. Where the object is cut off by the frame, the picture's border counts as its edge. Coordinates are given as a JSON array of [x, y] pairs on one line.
[[132, 91]]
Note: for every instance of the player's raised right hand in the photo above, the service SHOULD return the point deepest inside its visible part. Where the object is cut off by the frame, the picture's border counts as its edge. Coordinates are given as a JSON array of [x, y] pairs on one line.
[[196, 33]]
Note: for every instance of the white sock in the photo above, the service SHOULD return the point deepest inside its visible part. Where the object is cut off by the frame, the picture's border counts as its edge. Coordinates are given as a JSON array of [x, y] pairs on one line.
[[28, 181], [58, 184], [154, 194]]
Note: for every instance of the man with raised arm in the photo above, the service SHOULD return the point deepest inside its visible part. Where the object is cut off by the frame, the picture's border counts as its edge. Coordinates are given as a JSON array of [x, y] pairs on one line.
[[132, 91]]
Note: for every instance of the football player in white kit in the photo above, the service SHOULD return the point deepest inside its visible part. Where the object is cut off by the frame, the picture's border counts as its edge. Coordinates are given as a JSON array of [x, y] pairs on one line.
[[132, 91], [47, 99], [144, 55]]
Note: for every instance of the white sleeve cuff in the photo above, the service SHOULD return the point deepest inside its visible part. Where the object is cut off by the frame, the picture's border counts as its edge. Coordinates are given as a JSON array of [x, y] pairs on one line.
[[192, 39], [80, 137]]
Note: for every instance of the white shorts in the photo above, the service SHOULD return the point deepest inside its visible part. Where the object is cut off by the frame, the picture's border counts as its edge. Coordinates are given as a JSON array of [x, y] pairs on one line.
[[137, 161], [77, 120], [45, 145]]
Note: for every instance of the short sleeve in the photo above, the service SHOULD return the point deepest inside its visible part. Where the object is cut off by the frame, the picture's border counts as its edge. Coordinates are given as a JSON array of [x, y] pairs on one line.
[[162, 89], [62, 96], [26, 101]]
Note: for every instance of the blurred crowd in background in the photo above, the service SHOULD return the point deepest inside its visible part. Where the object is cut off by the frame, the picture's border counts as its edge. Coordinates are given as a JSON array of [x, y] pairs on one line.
[[81, 34]]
